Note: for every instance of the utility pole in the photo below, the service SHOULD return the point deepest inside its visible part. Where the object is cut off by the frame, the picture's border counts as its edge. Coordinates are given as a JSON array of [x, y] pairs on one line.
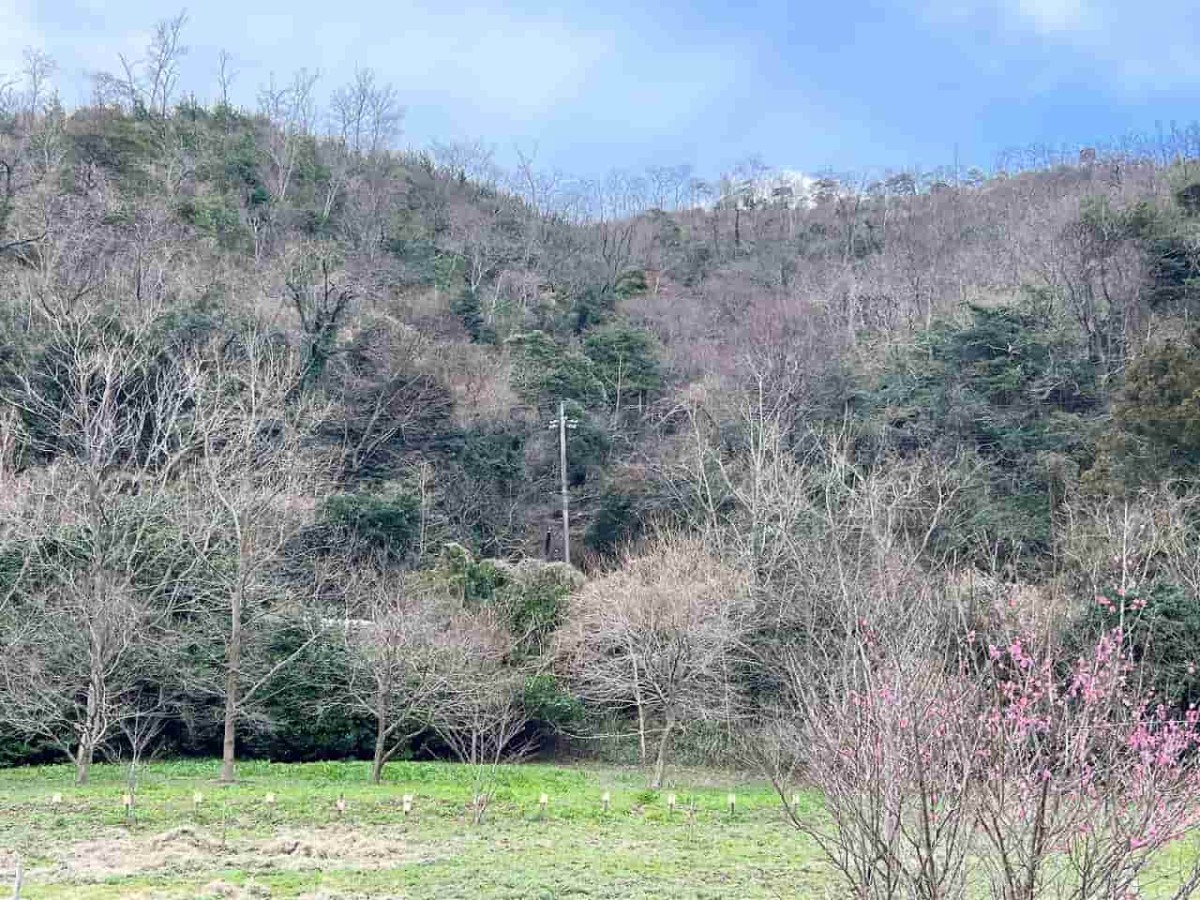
[[562, 461]]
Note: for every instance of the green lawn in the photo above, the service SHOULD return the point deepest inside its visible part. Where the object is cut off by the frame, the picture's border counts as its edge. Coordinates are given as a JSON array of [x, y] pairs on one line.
[[235, 844]]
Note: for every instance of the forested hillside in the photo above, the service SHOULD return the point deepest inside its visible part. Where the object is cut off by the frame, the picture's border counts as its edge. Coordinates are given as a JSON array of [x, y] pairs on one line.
[[279, 459]]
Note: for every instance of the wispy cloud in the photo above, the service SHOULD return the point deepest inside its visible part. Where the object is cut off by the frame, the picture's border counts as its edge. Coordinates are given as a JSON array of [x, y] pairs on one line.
[[1055, 17], [1117, 46]]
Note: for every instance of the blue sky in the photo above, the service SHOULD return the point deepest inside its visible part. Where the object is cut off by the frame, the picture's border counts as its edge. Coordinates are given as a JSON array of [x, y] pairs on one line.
[[598, 85]]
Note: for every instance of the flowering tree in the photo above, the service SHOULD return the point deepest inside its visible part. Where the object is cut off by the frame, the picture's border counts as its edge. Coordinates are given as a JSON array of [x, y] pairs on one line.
[[1033, 773], [1082, 777]]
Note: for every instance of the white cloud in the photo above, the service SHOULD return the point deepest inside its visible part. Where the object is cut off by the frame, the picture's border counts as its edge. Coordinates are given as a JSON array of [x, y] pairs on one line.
[[1055, 16]]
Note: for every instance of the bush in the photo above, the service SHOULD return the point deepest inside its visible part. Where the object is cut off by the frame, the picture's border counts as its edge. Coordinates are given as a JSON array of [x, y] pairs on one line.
[[1163, 625], [625, 362], [1160, 400], [388, 520], [550, 704], [533, 601], [614, 523], [495, 455], [546, 372], [530, 596]]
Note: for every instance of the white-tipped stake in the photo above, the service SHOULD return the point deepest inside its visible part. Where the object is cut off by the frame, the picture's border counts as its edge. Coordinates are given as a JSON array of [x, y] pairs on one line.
[[605, 800], [340, 805], [127, 801], [732, 800], [269, 799], [543, 801], [56, 799], [407, 803], [671, 802], [795, 802], [197, 799]]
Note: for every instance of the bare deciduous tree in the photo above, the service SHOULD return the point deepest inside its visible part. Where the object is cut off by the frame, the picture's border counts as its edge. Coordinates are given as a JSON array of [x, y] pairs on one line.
[[253, 487], [479, 710], [100, 580], [660, 637], [291, 112], [393, 633], [39, 68], [366, 114]]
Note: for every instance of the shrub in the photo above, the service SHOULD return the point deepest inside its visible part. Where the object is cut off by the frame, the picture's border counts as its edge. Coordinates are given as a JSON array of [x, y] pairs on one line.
[[1162, 621], [533, 601], [388, 520], [625, 362], [495, 455], [1160, 400], [546, 372], [548, 702]]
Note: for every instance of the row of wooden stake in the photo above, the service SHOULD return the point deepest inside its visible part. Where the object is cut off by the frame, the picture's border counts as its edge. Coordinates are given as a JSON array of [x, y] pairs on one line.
[[407, 801]]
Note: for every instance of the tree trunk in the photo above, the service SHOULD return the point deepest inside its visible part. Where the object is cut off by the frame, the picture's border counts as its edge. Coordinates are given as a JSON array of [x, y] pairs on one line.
[[660, 760], [233, 663], [380, 757], [229, 738], [87, 751], [83, 761], [377, 763], [641, 712]]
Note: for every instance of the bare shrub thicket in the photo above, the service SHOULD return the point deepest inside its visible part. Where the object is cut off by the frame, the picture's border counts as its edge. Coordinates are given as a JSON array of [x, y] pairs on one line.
[[661, 637]]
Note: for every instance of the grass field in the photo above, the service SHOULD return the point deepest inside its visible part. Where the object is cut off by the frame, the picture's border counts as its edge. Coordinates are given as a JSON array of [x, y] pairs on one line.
[[236, 844]]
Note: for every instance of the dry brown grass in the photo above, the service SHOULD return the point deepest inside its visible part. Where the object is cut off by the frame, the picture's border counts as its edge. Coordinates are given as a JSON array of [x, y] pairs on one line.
[[186, 849]]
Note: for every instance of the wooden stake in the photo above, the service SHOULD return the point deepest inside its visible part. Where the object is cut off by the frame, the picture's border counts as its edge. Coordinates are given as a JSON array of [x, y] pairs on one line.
[[407, 803], [671, 802], [605, 800], [732, 799], [197, 799], [341, 805], [56, 800], [19, 880]]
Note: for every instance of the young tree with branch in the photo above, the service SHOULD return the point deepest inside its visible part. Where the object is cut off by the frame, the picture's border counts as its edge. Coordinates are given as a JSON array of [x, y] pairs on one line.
[[479, 709], [253, 487], [394, 633]]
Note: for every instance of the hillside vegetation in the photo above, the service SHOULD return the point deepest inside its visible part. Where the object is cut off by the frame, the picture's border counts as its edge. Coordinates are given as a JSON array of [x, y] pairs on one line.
[[279, 459]]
